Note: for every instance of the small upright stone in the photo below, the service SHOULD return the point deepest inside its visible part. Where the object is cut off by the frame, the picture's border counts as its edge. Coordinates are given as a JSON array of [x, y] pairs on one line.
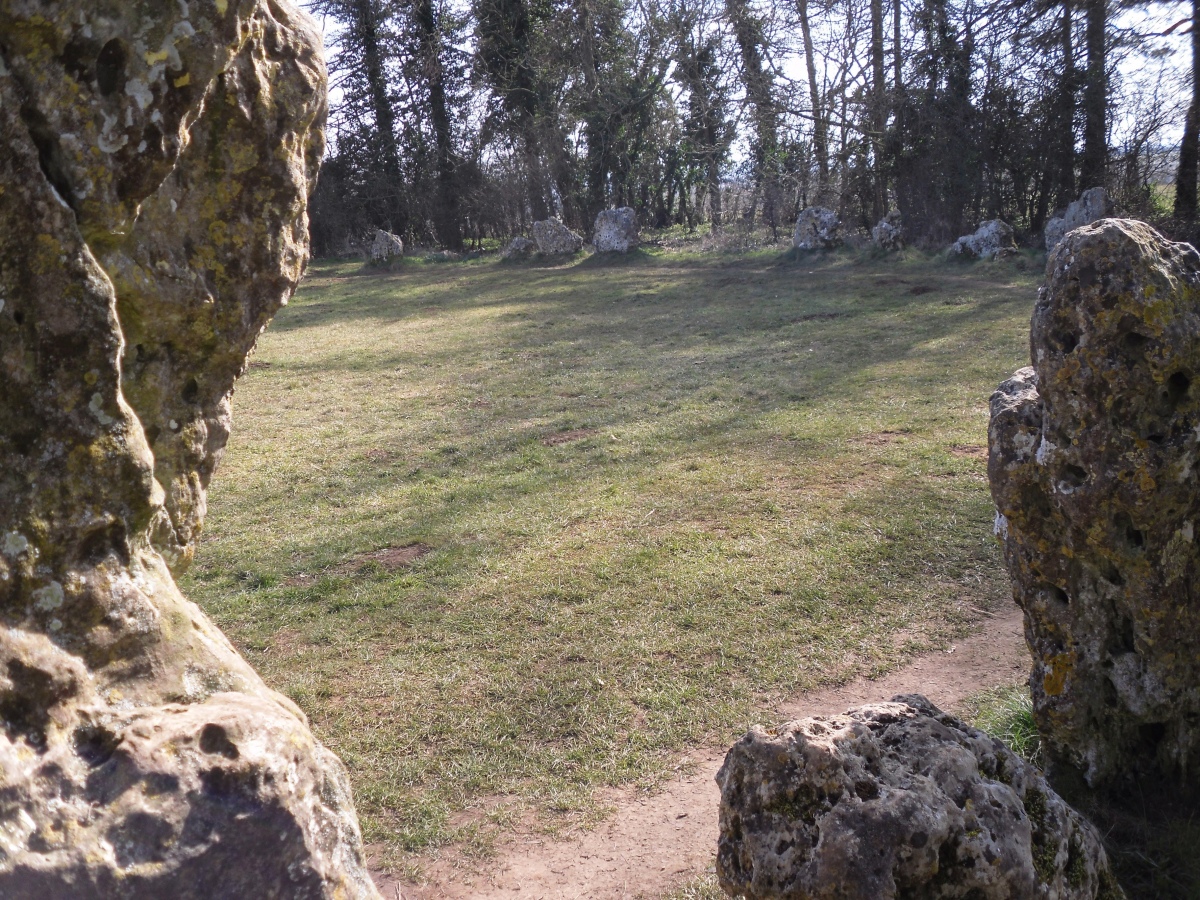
[[1090, 207], [555, 239], [616, 231], [1093, 467], [889, 233], [817, 228], [386, 247], [519, 248], [992, 239], [897, 800]]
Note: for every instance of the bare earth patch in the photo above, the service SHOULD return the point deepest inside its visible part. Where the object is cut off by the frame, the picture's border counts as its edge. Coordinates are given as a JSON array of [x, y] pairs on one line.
[[881, 438], [566, 437], [390, 559], [653, 844], [970, 451]]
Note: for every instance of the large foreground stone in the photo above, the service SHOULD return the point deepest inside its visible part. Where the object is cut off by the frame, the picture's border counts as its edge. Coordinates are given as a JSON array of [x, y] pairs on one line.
[[1094, 471], [1090, 207], [897, 800], [817, 228], [992, 239], [554, 238], [616, 231], [155, 161]]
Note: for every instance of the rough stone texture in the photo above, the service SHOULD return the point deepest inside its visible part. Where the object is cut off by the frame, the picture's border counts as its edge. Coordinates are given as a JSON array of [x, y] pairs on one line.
[[817, 228], [386, 247], [889, 233], [897, 800], [553, 238], [154, 170], [1090, 207], [519, 248], [616, 231], [992, 239], [1093, 470]]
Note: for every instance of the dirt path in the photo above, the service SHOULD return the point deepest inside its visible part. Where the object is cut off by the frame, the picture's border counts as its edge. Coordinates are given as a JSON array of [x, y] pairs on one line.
[[653, 844]]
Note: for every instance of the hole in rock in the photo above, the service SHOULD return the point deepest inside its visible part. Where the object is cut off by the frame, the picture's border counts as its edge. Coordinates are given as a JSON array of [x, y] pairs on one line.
[[1123, 632], [1176, 389], [95, 745], [110, 67], [1075, 475], [25, 708], [19, 317], [214, 739], [191, 391], [1127, 532], [49, 154], [1067, 342], [1134, 341]]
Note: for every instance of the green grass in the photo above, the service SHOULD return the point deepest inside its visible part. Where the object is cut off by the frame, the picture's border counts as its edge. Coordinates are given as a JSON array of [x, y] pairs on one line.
[[1006, 712], [771, 486]]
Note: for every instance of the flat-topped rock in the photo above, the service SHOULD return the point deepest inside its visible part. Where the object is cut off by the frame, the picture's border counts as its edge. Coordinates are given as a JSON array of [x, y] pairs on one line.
[[616, 231], [386, 246], [553, 238], [992, 239], [889, 233]]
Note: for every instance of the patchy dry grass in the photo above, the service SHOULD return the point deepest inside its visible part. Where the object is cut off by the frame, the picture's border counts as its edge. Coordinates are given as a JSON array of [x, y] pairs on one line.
[[655, 495]]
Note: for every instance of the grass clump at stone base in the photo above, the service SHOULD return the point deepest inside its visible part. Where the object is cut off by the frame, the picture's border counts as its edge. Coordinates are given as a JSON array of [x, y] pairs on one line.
[[511, 534], [1006, 713]]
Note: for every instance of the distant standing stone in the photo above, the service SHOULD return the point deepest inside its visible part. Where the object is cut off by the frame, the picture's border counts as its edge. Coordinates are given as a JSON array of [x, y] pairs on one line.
[[817, 228], [889, 233], [898, 800], [616, 231], [992, 239], [554, 238], [519, 248], [1093, 467], [1090, 207], [386, 247]]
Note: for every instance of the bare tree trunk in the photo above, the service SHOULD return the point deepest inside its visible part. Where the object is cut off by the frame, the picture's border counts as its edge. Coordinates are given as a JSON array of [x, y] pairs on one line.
[[445, 221], [1189, 150], [1066, 109], [1095, 97], [759, 86], [897, 53], [367, 26], [878, 117], [820, 128]]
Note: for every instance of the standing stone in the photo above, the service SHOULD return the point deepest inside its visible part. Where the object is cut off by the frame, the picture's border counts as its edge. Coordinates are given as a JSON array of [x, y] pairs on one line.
[[817, 228], [554, 238], [616, 231], [1088, 208], [1093, 467], [519, 248], [992, 239], [898, 800], [889, 233], [386, 247], [155, 166]]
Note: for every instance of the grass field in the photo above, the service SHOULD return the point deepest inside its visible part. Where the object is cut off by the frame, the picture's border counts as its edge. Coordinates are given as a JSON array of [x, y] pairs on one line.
[[510, 534]]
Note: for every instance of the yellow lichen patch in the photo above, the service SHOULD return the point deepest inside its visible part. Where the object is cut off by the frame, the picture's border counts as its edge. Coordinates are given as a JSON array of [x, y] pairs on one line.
[[183, 80], [156, 56], [1055, 680]]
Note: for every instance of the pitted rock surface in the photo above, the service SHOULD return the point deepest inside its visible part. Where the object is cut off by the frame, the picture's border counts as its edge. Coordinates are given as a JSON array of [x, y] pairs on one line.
[[154, 177], [616, 231], [386, 247], [1093, 469], [817, 228], [519, 248], [553, 238], [889, 233], [897, 800], [1091, 206], [991, 239]]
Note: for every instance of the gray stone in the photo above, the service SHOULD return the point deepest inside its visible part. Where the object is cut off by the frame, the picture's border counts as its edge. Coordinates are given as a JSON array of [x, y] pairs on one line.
[[519, 248], [386, 247], [1093, 467], [889, 233], [616, 231], [554, 238], [155, 162], [1090, 207], [897, 800], [992, 239], [817, 228]]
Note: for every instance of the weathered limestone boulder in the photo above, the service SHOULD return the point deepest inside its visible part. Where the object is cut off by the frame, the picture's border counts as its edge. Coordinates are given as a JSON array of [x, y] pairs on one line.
[[1091, 206], [1093, 467], [897, 800], [554, 238], [519, 248], [616, 231], [889, 233], [386, 247], [992, 239], [155, 162], [817, 228]]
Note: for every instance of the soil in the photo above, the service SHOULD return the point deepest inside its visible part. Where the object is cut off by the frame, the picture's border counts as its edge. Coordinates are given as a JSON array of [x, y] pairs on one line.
[[653, 844], [566, 437], [390, 559]]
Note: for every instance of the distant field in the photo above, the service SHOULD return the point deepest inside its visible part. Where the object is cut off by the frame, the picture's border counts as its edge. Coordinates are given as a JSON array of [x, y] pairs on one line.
[[510, 534]]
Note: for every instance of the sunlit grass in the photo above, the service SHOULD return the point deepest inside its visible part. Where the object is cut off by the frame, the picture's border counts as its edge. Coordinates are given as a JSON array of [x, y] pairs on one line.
[[660, 494]]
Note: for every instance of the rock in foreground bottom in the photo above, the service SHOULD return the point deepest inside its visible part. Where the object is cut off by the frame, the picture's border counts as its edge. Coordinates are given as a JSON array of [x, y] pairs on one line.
[[1093, 467], [897, 800]]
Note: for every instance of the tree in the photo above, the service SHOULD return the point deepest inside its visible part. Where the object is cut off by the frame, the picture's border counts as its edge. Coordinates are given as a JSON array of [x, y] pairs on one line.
[[1189, 149], [1094, 162]]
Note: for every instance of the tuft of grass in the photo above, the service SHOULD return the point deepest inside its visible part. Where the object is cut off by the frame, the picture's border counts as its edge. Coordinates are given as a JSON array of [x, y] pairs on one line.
[[660, 494], [703, 887], [1007, 713]]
